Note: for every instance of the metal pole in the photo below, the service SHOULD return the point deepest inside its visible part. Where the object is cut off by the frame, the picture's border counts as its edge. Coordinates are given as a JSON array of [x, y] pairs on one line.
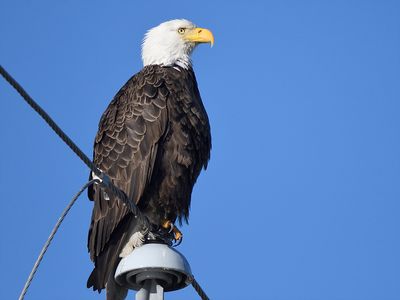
[[150, 291]]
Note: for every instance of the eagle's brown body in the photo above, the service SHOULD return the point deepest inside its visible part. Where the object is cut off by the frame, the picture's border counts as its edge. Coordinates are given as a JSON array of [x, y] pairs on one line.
[[153, 140]]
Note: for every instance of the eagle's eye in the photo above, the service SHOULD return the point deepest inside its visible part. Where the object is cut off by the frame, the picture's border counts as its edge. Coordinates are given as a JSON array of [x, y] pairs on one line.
[[181, 30]]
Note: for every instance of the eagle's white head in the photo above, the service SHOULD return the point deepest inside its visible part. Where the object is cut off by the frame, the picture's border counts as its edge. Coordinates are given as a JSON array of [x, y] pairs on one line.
[[172, 42]]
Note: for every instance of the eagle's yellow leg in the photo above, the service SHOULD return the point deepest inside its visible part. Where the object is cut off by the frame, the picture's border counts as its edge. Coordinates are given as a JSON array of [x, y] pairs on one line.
[[167, 224]]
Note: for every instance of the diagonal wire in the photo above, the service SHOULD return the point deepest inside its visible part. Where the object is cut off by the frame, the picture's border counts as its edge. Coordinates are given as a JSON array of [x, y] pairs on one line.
[[198, 288], [105, 180], [50, 238], [49, 121]]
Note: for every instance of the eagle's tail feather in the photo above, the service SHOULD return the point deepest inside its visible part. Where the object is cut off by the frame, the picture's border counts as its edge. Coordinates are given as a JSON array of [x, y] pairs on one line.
[[107, 261]]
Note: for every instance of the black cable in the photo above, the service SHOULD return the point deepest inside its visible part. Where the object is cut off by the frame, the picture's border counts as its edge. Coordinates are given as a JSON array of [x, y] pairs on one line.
[[104, 178], [198, 288], [49, 121], [50, 238]]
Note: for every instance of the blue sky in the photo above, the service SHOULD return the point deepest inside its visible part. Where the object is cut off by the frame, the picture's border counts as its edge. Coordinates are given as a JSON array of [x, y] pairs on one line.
[[301, 197]]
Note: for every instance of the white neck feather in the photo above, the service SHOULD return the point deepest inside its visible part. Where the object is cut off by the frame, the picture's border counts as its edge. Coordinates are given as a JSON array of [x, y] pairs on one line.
[[158, 57]]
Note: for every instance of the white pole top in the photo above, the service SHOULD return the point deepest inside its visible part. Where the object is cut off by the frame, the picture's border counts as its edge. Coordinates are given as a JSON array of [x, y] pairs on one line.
[[154, 261]]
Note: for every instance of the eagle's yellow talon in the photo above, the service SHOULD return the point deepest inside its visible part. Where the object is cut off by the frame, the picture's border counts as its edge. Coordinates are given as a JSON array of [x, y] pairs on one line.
[[177, 233], [167, 224]]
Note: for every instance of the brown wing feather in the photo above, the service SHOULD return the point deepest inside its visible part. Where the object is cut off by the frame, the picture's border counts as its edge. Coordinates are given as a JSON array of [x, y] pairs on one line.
[[125, 148]]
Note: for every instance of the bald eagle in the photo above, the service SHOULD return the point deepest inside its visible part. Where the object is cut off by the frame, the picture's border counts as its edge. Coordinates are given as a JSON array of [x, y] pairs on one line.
[[153, 140]]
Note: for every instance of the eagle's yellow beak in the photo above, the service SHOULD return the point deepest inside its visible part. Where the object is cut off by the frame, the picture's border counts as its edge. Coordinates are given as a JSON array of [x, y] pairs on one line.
[[200, 35]]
